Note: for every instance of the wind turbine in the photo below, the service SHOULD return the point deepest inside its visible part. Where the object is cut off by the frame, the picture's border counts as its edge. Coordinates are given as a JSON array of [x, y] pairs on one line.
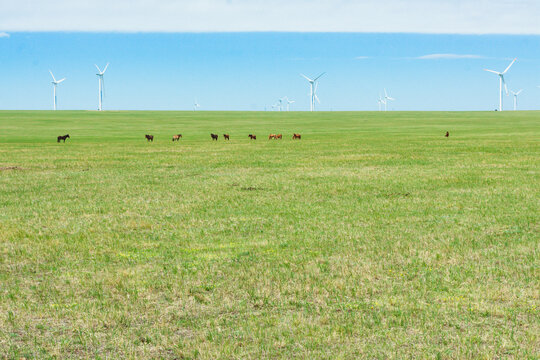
[[280, 103], [55, 84], [386, 98], [289, 102], [380, 102], [101, 85], [501, 82], [515, 97], [196, 105], [313, 90]]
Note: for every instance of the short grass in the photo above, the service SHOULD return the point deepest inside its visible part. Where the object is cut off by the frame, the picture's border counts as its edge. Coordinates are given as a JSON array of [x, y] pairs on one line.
[[372, 237]]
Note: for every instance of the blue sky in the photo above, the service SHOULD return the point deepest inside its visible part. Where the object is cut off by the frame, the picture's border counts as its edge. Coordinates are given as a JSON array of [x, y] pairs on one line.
[[248, 71], [244, 55]]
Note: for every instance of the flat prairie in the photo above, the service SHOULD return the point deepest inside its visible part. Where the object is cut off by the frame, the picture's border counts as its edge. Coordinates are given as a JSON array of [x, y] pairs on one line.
[[374, 236]]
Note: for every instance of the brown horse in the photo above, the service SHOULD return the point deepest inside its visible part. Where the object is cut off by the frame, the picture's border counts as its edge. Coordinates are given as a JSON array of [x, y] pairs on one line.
[[62, 138], [176, 137], [214, 136], [279, 137], [272, 136], [296, 136], [252, 137], [447, 134], [149, 137], [226, 137]]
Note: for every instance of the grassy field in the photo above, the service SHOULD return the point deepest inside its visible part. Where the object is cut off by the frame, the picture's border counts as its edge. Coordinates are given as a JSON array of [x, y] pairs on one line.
[[372, 237]]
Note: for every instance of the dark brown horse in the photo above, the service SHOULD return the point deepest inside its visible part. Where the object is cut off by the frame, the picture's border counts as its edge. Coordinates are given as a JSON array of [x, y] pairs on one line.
[[252, 137], [447, 134], [226, 137], [149, 137], [62, 138], [214, 136], [296, 136], [176, 137]]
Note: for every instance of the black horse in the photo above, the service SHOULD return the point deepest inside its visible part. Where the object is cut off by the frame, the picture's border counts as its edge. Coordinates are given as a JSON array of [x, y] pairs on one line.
[[62, 138]]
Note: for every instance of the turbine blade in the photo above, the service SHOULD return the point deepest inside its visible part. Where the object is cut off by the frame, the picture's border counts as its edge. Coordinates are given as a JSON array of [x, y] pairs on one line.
[[308, 79], [106, 66], [319, 76], [519, 92], [98, 69], [52, 75], [492, 71], [59, 81], [317, 98], [509, 66]]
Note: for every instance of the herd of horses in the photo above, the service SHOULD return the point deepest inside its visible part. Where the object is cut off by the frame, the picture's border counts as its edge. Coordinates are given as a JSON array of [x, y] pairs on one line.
[[177, 137], [215, 137]]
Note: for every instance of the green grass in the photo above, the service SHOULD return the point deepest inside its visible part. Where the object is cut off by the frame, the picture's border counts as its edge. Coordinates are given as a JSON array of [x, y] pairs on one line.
[[372, 237]]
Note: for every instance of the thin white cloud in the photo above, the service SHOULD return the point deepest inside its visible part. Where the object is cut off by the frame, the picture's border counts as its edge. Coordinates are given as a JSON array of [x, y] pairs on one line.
[[4, 34], [417, 16], [361, 57], [448, 56]]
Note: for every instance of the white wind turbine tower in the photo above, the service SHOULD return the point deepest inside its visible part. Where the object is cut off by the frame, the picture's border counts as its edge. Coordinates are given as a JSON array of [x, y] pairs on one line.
[[101, 85], [55, 84], [313, 90], [501, 82], [196, 105], [515, 97], [386, 98], [380, 102]]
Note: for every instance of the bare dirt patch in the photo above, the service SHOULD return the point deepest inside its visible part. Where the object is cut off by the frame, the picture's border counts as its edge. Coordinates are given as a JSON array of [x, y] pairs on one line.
[[7, 168], [251, 188]]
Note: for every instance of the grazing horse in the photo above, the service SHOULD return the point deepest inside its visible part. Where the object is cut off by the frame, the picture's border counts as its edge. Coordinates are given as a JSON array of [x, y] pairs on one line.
[[176, 137], [279, 137], [226, 137], [296, 136], [447, 134], [272, 136], [214, 136], [149, 137], [62, 138], [252, 137]]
